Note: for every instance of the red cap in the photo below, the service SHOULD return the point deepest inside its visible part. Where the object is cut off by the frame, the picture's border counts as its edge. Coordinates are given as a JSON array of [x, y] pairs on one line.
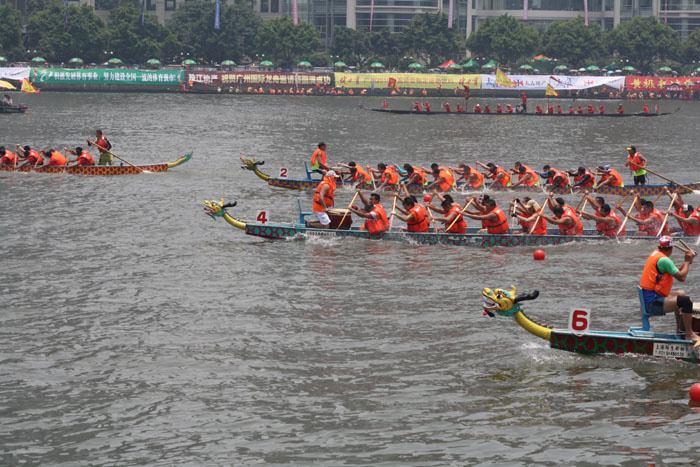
[[665, 242]]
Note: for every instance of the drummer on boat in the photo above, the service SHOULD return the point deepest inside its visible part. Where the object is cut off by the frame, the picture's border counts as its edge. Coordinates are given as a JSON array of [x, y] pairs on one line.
[[657, 282], [323, 201]]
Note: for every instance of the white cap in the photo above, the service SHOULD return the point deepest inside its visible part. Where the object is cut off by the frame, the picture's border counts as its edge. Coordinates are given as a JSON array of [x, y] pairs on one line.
[[331, 173]]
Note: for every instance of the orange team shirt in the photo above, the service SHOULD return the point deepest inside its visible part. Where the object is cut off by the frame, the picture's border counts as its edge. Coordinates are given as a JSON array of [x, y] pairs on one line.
[[57, 159], [318, 156]]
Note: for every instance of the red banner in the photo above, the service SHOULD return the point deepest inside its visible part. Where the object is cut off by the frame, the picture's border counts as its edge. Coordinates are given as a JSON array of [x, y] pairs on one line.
[[653, 83]]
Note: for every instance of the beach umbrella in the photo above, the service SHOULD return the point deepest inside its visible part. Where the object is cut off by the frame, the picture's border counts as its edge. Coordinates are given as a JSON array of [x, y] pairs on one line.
[[188, 61], [592, 68], [3, 59], [153, 61], [697, 69], [76, 60], [542, 58], [376, 65], [115, 61], [561, 68], [490, 65], [525, 67], [6, 85], [629, 68], [454, 66], [36, 60], [228, 63], [415, 66], [470, 65], [340, 65], [266, 63], [666, 69], [304, 64], [611, 66]]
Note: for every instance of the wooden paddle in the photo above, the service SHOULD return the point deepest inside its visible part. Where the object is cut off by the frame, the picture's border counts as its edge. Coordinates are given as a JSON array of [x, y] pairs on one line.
[[622, 226], [393, 209], [348, 209], [122, 159], [461, 212], [687, 190], [673, 200], [512, 210], [371, 174], [537, 218], [432, 219]]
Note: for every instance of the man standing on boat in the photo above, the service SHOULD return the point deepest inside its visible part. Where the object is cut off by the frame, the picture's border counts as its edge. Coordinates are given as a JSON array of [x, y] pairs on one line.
[[318, 159], [657, 280], [323, 201], [523, 102], [103, 146], [636, 162]]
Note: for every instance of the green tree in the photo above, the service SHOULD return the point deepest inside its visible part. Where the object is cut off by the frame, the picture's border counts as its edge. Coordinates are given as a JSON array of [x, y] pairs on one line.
[[133, 43], [11, 45], [193, 26], [428, 37], [643, 41], [504, 38], [388, 47], [690, 49], [286, 43], [574, 41], [83, 36], [351, 45]]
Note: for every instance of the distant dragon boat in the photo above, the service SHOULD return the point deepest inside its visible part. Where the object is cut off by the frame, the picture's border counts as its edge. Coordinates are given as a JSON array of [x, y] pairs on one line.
[[98, 169], [13, 109], [341, 227], [522, 114], [637, 340], [309, 183]]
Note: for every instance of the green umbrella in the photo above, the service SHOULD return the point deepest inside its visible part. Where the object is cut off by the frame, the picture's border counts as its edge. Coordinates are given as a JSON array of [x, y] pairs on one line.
[[188, 61], [666, 69], [39, 60], [339, 65], [115, 61], [491, 64], [415, 66], [376, 65], [3, 59], [454, 66], [592, 68], [228, 63], [153, 61], [611, 66], [266, 63], [561, 68], [525, 67], [304, 64], [629, 68], [697, 69], [76, 60], [470, 65]]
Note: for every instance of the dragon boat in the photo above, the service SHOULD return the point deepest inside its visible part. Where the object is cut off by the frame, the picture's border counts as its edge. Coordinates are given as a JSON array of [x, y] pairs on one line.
[[98, 169], [13, 109], [637, 340], [522, 114], [309, 183], [341, 227]]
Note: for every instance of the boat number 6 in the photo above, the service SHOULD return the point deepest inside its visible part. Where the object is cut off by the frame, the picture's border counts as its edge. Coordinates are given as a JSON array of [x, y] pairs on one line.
[[283, 172], [262, 217], [579, 320]]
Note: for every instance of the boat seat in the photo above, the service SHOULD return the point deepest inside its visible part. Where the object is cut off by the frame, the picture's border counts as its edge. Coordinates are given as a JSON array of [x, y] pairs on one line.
[[645, 315]]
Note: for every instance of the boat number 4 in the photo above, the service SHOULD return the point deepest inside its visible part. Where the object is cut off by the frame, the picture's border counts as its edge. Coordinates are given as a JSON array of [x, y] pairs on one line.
[[579, 320], [262, 217], [283, 172]]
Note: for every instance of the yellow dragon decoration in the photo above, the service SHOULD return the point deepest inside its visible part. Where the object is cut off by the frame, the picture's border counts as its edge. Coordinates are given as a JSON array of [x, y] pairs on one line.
[[505, 303], [218, 209], [251, 164]]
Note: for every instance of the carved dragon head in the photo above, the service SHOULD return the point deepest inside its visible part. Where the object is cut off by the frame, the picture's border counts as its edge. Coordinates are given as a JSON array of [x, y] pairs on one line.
[[217, 208], [250, 164], [504, 302]]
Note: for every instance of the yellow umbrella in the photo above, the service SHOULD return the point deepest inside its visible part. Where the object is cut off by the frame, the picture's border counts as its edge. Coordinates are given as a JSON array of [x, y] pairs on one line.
[[6, 85]]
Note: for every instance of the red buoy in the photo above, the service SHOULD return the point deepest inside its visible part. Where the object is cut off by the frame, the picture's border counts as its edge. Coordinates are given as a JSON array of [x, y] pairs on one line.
[[428, 198], [695, 392], [539, 255]]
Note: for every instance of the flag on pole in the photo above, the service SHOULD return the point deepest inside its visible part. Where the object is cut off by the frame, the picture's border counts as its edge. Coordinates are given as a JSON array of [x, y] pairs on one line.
[[585, 12], [449, 15], [524, 9], [550, 91], [27, 87], [503, 80], [295, 12], [217, 14], [392, 83], [371, 14], [143, 13]]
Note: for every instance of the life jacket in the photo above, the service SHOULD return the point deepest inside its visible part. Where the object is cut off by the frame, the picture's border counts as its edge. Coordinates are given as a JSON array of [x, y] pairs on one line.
[[57, 158], [10, 158], [477, 109], [652, 229], [505, 181], [84, 158], [499, 109], [690, 229], [103, 144], [611, 230], [498, 226], [421, 222], [380, 224], [447, 179], [391, 175], [554, 174], [327, 198], [460, 226], [479, 179], [617, 178], [361, 175], [541, 228], [422, 178], [589, 183], [34, 158], [574, 229], [534, 178], [653, 280], [319, 157], [635, 163]]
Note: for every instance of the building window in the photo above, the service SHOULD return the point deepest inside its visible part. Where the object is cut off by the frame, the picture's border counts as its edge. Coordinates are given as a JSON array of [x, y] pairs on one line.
[[264, 6], [274, 6], [151, 5], [170, 5]]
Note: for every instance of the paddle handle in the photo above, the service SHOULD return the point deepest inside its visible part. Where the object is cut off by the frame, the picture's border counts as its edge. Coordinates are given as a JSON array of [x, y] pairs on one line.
[[663, 224], [393, 208], [622, 226], [348, 209], [120, 158], [461, 212], [537, 218]]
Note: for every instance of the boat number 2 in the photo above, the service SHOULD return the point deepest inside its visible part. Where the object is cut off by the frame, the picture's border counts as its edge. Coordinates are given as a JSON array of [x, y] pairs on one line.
[[262, 217], [283, 172], [579, 320]]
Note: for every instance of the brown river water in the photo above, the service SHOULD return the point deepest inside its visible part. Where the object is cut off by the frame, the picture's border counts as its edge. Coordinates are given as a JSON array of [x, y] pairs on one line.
[[135, 330]]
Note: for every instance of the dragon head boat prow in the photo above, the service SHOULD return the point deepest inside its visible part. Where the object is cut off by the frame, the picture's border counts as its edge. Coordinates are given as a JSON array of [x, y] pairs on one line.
[[505, 303], [216, 209], [252, 164]]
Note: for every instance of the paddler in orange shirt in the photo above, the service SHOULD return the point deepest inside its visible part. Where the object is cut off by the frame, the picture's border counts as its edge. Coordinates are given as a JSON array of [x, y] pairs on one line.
[[494, 220], [318, 159], [609, 176], [32, 158], [54, 157], [388, 175], [452, 211], [649, 219], [376, 220], [687, 217], [526, 213], [526, 176], [83, 157], [357, 173], [495, 173], [323, 201], [415, 175], [443, 178], [607, 222], [8, 157], [471, 176], [414, 214]]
